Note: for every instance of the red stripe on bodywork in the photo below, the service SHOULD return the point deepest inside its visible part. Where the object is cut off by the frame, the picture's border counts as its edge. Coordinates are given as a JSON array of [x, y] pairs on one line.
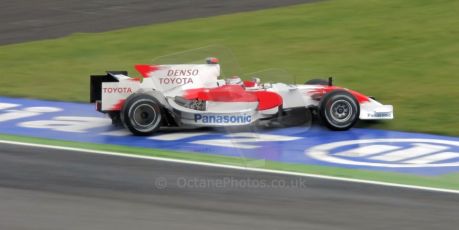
[[326, 89], [235, 93], [137, 79], [268, 100], [360, 97], [226, 93], [145, 70], [249, 83], [118, 105]]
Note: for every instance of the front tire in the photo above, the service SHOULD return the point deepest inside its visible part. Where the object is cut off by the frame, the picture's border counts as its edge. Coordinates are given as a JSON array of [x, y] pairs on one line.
[[141, 114], [339, 110]]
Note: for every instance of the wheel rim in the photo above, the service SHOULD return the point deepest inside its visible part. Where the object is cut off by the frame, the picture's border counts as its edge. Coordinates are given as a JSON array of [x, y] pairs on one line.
[[144, 116], [341, 111]]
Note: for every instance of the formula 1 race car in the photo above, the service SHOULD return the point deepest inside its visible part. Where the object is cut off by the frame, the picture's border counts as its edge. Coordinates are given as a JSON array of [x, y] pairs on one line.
[[192, 95]]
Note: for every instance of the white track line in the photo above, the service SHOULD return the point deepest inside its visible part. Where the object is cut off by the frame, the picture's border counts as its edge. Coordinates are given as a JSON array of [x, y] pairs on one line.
[[230, 167]]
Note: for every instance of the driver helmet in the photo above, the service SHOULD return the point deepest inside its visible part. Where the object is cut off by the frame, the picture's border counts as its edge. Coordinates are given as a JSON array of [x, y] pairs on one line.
[[256, 80]]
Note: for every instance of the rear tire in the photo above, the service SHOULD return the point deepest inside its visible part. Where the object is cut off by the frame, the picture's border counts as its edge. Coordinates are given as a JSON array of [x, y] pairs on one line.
[[141, 114], [339, 110]]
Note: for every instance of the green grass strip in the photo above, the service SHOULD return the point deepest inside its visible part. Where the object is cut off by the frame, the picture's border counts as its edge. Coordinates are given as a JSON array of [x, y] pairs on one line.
[[404, 53]]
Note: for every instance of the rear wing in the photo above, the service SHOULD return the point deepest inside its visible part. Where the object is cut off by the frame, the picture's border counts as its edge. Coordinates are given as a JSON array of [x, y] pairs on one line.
[[95, 92]]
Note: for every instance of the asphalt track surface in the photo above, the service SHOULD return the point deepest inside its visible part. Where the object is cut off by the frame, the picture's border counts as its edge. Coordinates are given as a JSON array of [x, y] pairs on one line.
[[48, 189], [25, 20]]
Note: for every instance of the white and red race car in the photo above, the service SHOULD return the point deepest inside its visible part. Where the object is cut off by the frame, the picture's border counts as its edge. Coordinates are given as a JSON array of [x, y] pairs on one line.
[[192, 95]]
